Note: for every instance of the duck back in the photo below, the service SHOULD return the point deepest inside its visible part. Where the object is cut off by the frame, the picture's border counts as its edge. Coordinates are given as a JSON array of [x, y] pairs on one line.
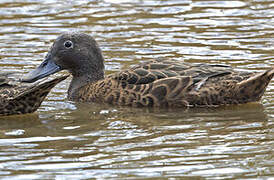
[[20, 99], [175, 84]]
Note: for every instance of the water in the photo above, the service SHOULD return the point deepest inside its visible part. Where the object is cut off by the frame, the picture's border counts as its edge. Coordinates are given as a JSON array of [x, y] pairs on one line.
[[65, 140]]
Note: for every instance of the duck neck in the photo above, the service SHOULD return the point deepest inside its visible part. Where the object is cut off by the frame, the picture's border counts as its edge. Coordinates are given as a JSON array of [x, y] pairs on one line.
[[79, 81]]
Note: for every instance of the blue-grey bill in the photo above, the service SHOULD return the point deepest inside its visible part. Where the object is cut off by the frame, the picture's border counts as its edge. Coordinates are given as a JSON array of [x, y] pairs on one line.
[[46, 68]]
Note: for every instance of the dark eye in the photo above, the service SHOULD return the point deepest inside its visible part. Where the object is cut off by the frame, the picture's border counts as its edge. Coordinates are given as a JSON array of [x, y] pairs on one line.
[[68, 44]]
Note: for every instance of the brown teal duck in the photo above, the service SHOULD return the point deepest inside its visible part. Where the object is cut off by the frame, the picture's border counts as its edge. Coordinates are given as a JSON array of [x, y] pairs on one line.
[[16, 98], [154, 83]]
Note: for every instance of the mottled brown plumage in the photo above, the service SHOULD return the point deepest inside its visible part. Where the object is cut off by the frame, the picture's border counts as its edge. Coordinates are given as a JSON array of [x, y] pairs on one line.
[[161, 83], [18, 98], [174, 84]]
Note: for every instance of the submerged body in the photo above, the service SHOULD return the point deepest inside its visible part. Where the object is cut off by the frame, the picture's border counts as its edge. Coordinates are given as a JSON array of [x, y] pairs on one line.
[[154, 83], [22, 99]]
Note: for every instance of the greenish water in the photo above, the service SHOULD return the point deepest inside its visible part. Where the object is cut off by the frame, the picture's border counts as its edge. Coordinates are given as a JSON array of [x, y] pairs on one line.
[[65, 140]]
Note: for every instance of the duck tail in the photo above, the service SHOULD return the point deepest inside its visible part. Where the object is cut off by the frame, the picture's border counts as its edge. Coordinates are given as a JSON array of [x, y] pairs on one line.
[[32, 98], [40, 90], [253, 88]]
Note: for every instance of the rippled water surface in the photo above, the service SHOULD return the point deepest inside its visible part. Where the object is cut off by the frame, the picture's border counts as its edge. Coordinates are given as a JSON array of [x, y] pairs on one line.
[[64, 140]]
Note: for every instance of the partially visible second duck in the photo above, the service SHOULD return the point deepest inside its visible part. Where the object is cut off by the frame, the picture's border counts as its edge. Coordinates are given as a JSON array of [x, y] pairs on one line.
[[161, 83], [19, 98]]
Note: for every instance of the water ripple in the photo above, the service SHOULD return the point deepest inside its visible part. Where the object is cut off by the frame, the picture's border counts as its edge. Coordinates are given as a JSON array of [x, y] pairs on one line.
[[66, 140]]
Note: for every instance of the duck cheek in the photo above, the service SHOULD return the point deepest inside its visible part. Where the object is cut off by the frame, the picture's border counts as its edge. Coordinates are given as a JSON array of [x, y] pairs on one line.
[[72, 67], [65, 62]]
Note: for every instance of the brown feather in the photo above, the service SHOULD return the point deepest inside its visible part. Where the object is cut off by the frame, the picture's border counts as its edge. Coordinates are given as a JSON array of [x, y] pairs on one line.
[[176, 84], [20, 98], [158, 83]]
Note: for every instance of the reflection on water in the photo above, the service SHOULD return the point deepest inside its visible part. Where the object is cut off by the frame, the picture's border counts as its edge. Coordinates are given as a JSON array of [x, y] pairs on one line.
[[67, 140], [122, 142]]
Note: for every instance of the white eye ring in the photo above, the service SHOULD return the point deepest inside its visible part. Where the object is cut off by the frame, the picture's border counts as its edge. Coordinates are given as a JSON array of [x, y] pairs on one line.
[[68, 44]]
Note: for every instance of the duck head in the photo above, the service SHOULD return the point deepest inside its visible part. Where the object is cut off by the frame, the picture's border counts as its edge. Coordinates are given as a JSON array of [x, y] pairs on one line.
[[76, 52]]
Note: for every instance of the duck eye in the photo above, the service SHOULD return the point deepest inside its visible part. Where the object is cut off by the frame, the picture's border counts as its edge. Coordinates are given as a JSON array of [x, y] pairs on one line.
[[68, 44]]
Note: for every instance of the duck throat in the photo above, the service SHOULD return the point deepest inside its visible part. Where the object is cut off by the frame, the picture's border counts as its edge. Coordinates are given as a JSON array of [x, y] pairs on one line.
[[80, 81]]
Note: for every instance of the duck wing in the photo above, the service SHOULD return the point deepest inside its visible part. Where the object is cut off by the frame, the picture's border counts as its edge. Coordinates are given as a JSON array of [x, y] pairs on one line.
[[166, 83], [21, 99], [151, 71], [7, 87], [4, 79]]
